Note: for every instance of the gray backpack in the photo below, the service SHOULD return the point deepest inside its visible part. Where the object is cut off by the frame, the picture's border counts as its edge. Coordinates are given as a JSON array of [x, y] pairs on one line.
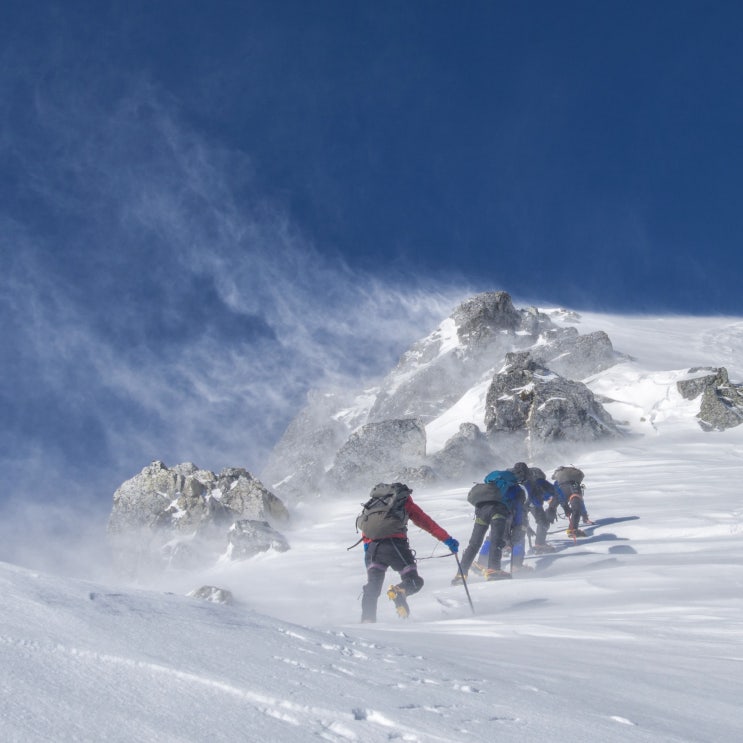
[[569, 479], [384, 513], [484, 492]]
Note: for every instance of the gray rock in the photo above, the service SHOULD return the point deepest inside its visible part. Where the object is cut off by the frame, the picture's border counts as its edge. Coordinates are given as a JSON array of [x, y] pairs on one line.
[[248, 538], [541, 406], [721, 405], [468, 451], [423, 475], [297, 464], [212, 593], [484, 316], [435, 372], [429, 378], [700, 378], [577, 356], [466, 349], [376, 450], [180, 517]]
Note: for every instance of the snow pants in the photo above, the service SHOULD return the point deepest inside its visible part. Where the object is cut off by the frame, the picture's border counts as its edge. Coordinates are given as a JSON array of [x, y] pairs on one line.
[[577, 509], [516, 530], [542, 522], [380, 555], [493, 516]]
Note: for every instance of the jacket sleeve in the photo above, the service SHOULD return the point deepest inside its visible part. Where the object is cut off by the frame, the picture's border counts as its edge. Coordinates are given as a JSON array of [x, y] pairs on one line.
[[547, 488], [424, 521]]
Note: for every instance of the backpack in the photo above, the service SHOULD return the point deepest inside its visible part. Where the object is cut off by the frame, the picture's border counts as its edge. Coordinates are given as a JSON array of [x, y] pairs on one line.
[[494, 489], [536, 474], [503, 479], [384, 513], [539, 488], [568, 475], [484, 492], [568, 480]]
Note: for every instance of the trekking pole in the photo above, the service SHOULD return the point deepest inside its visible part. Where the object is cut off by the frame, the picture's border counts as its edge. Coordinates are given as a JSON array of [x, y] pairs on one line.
[[464, 581]]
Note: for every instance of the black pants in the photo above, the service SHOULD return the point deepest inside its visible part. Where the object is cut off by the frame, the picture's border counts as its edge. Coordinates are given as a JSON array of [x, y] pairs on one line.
[[575, 503], [493, 516], [387, 553], [517, 538], [543, 525]]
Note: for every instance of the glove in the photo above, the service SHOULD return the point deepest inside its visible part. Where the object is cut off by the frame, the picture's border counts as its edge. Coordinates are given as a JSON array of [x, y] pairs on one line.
[[551, 515], [452, 544]]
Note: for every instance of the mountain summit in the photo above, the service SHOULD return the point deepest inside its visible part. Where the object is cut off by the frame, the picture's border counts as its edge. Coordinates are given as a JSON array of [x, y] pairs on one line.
[[491, 384], [505, 380]]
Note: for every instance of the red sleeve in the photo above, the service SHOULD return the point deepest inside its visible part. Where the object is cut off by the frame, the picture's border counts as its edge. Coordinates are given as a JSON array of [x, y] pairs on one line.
[[422, 519]]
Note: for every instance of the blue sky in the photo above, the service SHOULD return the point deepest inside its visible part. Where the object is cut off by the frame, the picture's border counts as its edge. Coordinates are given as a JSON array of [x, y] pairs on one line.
[[207, 208]]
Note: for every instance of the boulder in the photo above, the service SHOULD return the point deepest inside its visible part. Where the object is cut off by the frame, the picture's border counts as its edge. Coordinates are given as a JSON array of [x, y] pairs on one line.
[[179, 517], [376, 450], [468, 451], [534, 402], [212, 593], [577, 356], [721, 406], [247, 538]]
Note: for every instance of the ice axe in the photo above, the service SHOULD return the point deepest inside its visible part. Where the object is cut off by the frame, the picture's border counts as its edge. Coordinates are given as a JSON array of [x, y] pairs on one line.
[[464, 581]]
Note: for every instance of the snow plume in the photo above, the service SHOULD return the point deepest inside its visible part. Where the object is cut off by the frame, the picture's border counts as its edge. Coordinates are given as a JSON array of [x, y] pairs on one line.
[[157, 306]]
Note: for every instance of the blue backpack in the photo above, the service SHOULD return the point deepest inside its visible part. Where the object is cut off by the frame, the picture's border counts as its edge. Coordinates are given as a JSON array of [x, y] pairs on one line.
[[503, 479], [494, 489]]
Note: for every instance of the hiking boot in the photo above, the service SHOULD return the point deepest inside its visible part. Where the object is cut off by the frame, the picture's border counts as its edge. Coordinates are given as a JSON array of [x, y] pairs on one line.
[[573, 533], [588, 521], [397, 594], [458, 579], [541, 549], [490, 574], [368, 621]]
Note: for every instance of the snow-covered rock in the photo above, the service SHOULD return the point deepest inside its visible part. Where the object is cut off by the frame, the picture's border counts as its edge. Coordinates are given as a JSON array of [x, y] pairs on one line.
[[455, 377], [376, 449], [180, 516], [529, 399], [721, 401]]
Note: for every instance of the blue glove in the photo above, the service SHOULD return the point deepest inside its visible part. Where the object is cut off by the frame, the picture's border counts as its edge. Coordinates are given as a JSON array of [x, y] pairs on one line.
[[452, 544]]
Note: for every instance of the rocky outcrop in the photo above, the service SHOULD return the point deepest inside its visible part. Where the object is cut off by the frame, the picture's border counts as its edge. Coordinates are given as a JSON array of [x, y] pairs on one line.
[[577, 356], [437, 370], [298, 462], [467, 452], [721, 405], [180, 517], [342, 440], [247, 538], [213, 594], [484, 316], [376, 450], [528, 399], [329, 436]]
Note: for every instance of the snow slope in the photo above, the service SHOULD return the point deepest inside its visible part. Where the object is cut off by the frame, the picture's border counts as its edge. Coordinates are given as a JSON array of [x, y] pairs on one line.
[[633, 634]]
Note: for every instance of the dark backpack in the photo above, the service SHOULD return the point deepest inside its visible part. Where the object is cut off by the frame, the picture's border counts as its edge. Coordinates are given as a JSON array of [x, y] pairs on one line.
[[384, 513], [484, 492], [494, 489], [536, 474], [539, 488], [568, 480], [568, 475]]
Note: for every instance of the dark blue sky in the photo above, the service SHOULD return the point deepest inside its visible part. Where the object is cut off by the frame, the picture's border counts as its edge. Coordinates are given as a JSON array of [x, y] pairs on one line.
[[207, 208]]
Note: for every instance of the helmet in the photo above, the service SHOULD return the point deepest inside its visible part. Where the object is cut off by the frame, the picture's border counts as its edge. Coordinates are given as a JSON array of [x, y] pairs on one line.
[[521, 470]]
